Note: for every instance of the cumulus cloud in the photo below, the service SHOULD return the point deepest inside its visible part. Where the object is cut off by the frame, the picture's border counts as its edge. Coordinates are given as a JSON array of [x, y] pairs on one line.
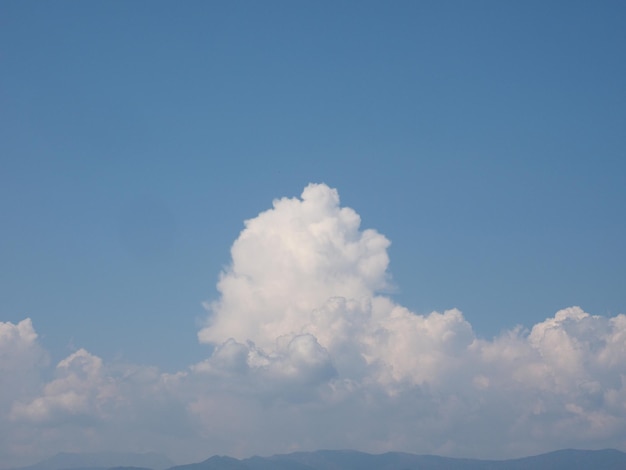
[[21, 363], [92, 406], [305, 267], [79, 390], [309, 353], [19, 350], [288, 261]]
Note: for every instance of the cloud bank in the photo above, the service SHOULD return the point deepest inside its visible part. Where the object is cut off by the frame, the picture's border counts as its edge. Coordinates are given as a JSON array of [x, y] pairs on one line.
[[309, 353]]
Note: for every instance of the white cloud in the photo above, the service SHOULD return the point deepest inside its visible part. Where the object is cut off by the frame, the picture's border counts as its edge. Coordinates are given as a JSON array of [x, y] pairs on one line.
[[80, 390], [306, 267], [309, 354], [18, 347], [21, 359], [21, 363], [289, 261]]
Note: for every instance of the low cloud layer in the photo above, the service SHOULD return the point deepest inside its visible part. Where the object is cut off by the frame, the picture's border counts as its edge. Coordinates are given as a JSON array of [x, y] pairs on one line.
[[309, 354]]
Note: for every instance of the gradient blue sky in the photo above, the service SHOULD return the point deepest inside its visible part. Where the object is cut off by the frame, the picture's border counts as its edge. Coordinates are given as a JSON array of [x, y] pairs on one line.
[[486, 140]]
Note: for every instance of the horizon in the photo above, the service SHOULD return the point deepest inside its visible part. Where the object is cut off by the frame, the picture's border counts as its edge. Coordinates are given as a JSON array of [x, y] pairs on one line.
[[178, 464], [245, 226]]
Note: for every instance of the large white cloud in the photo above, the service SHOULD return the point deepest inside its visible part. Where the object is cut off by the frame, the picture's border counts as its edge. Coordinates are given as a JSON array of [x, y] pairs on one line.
[[308, 353], [305, 267], [289, 261]]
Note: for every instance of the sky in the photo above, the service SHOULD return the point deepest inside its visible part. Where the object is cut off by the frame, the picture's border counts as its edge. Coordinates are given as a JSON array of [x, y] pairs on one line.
[[255, 227]]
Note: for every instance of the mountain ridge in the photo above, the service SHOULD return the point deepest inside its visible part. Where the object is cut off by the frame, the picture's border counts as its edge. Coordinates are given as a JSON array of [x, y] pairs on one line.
[[565, 459], [325, 459]]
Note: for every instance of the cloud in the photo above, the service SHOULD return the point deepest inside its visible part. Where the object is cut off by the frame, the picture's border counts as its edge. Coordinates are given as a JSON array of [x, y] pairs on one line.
[[21, 359], [288, 261], [92, 406], [305, 267], [18, 347], [309, 353], [80, 390]]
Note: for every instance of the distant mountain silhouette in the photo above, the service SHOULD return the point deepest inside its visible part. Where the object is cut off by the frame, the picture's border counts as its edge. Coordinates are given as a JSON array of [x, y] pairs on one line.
[[570, 459], [350, 460], [214, 463], [607, 459]]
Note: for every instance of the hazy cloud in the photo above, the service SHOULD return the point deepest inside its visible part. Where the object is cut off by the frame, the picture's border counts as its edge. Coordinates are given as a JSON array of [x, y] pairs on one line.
[[80, 390]]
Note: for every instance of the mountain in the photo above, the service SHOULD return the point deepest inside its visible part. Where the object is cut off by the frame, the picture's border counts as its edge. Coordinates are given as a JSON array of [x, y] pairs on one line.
[[101, 461], [607, 459], [350, 460], [214, 463]]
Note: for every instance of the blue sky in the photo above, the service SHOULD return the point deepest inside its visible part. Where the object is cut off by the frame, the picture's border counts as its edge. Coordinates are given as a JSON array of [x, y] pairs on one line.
[[485, 140]]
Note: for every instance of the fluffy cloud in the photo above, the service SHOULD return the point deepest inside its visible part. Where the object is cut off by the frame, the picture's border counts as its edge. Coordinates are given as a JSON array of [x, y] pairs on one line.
[[309, 353], [80, 390], [21, 363], [305, 267], [91, 406], [289, 261]]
